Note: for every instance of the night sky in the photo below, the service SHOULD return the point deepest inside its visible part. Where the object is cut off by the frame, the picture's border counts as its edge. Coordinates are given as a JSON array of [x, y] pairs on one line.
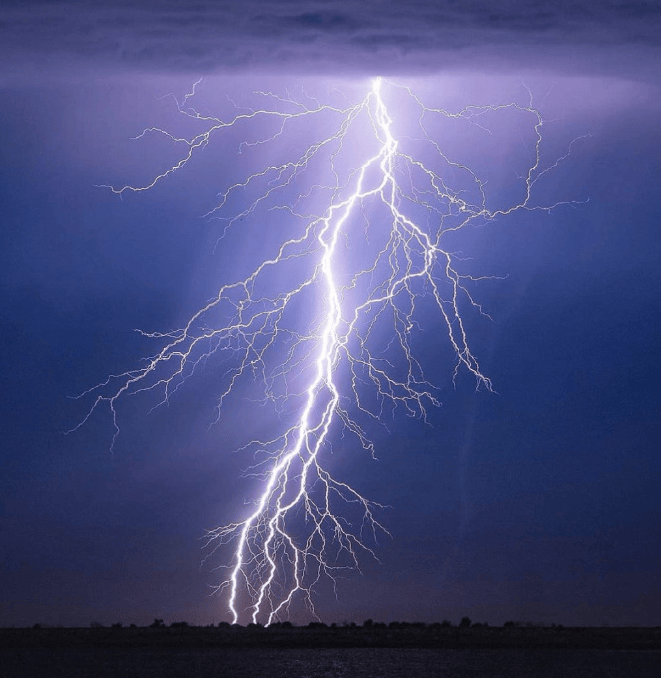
[[537, 502]]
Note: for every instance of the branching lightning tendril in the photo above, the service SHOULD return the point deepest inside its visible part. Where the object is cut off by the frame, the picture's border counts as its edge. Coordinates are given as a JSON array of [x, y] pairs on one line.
[[317, 371]]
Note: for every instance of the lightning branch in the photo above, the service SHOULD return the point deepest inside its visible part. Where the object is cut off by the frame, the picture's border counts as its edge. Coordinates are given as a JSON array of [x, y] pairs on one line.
[[332, 340]]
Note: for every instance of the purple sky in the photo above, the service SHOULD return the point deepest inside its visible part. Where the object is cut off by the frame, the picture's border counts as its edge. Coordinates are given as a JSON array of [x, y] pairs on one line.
[[539, 502]]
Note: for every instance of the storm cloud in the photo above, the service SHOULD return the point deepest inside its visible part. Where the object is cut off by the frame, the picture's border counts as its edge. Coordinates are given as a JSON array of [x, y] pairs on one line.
[[322, 36]]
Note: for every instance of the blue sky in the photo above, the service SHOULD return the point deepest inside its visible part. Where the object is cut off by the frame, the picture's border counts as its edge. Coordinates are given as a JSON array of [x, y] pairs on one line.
[[538, 502]]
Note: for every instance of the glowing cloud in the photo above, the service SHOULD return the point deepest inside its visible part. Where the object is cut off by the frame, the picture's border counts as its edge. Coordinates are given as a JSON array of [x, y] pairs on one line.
[[329, 322]]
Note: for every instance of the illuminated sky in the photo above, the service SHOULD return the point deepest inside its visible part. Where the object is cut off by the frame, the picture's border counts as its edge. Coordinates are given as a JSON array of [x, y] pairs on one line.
[[539, 502]]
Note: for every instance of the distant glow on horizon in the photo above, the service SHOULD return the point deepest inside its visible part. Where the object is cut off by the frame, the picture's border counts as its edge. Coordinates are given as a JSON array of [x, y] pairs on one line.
[[328, 323]]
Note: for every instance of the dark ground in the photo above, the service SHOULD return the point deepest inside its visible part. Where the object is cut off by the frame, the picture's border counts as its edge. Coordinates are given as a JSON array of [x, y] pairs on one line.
[[371, 651], [320, 636]]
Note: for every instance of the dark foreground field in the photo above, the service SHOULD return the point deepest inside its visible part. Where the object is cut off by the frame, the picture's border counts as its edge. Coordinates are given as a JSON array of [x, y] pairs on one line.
[[321, 636], [346, 652]]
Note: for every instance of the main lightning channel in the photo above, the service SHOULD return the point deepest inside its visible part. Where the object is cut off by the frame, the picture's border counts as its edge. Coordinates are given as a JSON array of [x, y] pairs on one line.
[[294, 535]]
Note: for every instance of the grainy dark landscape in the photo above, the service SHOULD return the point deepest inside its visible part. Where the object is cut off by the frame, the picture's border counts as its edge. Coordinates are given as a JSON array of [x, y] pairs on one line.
[[397, 649], [317, 635]]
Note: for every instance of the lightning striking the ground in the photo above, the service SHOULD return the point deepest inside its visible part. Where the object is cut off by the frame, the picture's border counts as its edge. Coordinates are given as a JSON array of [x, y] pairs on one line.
[[328, 323]]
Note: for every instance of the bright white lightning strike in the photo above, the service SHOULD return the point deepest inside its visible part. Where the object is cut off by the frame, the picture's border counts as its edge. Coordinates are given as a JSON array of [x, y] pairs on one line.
[[317, 370]]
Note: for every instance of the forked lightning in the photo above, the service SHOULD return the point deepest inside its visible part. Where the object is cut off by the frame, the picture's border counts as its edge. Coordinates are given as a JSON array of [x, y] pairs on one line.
[[371, 252]]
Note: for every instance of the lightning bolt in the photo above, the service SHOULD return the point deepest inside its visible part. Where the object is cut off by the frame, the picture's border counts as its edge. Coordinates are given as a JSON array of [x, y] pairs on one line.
[[317, 344]]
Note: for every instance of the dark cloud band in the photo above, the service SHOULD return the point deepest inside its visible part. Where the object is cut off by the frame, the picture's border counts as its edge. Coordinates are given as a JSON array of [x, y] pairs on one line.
[[323, 35]]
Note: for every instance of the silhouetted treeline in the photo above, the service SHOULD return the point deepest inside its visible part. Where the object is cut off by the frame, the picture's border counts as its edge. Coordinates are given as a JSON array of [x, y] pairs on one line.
[[316, 634]]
